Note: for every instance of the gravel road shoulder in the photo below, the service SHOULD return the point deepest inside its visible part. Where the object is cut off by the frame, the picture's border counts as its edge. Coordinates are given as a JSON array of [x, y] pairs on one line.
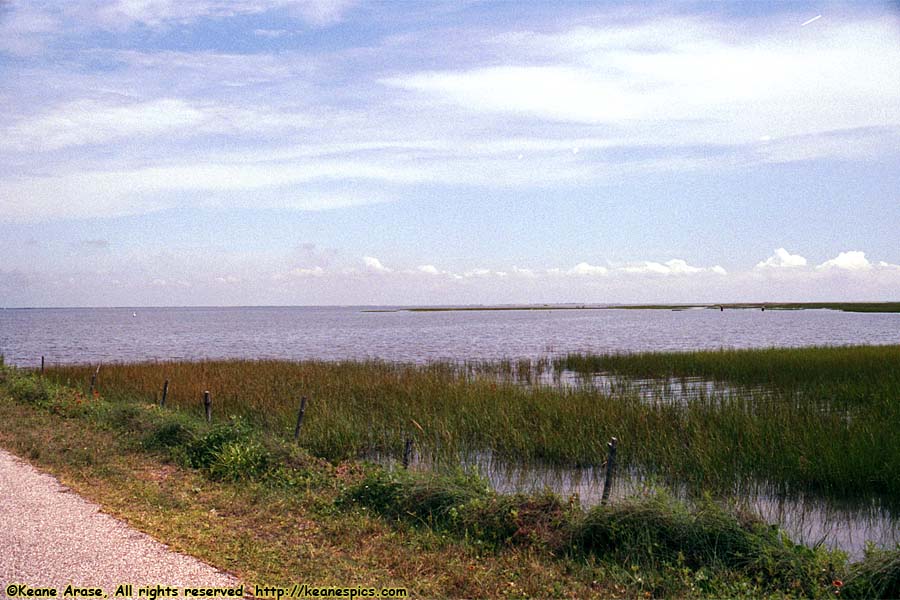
[[51, 537]]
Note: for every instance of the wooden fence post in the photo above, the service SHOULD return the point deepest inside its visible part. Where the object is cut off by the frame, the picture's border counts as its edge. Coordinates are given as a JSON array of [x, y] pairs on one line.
[[94, 381], [300, 414], [165, 393], [610, 467], [207, 405], [42, 366], [407, 452]]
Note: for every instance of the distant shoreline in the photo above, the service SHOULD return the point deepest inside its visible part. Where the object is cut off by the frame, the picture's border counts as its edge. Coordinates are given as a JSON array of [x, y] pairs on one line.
[[861, 307]]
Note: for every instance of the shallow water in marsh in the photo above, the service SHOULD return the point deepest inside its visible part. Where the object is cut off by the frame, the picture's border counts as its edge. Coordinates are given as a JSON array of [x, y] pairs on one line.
[[135, 334], [811, 520]]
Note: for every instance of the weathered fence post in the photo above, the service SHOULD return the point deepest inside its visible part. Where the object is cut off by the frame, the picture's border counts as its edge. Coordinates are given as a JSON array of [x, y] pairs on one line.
[[165, 394], [207, 405], [42, 366], [300, 414], [610, 467], [407, 452], [94, 380]]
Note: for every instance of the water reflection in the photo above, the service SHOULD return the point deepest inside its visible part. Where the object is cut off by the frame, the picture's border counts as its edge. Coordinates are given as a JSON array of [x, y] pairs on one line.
[[808, 519]]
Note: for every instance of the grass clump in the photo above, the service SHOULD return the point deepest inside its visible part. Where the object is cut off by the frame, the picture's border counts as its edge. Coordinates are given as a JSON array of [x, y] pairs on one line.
[[667, 543], [231, 451], [173, 431], [434, 499], [462, 504], [658, 532], [27, 389], [876, 576], [204, 451]]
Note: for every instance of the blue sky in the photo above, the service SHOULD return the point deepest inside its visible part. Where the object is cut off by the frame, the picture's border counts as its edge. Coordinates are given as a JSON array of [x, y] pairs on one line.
[[205, 152]]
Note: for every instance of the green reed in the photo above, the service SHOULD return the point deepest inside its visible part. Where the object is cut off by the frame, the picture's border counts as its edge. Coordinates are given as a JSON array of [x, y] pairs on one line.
[[817, 419]]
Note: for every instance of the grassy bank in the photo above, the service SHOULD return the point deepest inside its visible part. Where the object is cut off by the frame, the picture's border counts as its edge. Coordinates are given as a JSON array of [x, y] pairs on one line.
[[810, 419], [250, 502]]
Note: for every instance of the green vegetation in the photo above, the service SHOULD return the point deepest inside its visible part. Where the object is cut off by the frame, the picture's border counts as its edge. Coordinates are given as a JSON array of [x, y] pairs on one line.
[[253, 503], [854, 372], [869, 307], [805, 420], [671, 545], [492, 308]]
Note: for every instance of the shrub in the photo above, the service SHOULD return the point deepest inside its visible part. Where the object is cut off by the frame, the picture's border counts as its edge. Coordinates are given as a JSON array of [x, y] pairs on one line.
[[28, 389], [169, 434], [228, 451], [435, 499], [240, 459]]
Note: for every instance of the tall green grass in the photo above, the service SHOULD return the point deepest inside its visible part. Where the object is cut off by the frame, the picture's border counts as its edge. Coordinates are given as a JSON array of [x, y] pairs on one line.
[[827, 422], [850, 369]]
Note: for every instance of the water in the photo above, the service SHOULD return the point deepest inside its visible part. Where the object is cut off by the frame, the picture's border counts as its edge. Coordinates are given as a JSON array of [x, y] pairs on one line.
[[672, 390], [131, 334], [808, 519], [333, 333]]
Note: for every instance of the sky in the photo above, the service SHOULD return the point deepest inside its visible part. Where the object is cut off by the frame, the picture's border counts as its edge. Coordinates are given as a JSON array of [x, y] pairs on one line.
[[348, 152]]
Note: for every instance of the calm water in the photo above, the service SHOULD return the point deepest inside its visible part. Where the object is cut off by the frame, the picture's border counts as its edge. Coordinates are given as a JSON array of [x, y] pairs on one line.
[[808, 519], [129, 334]]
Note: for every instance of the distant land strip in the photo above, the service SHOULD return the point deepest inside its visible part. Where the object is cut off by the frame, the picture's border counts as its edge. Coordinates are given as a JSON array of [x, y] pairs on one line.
[[861, 307]]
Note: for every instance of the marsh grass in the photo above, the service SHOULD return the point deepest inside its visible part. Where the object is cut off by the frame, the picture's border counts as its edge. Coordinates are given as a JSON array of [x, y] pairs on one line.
[[656, 535], [876, 576], [828, 421], [850, 370], [653, 543]]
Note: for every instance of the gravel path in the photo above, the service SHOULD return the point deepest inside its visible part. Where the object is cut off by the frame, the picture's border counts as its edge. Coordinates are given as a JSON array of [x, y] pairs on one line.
[[51, 537]]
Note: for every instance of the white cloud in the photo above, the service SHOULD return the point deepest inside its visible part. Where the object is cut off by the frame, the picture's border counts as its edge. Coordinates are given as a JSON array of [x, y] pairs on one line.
[[94, 122], [303, 272], [373, 264], [523, 272], [586, 269], [156, 13], [852, 260], [687, 80], [323, 12], [258, 279], [478, 272], [676, 266], [90, 122], [299, 273], [271, 33], [138, 191], [469, 274], [782, 259], [553, 92]]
